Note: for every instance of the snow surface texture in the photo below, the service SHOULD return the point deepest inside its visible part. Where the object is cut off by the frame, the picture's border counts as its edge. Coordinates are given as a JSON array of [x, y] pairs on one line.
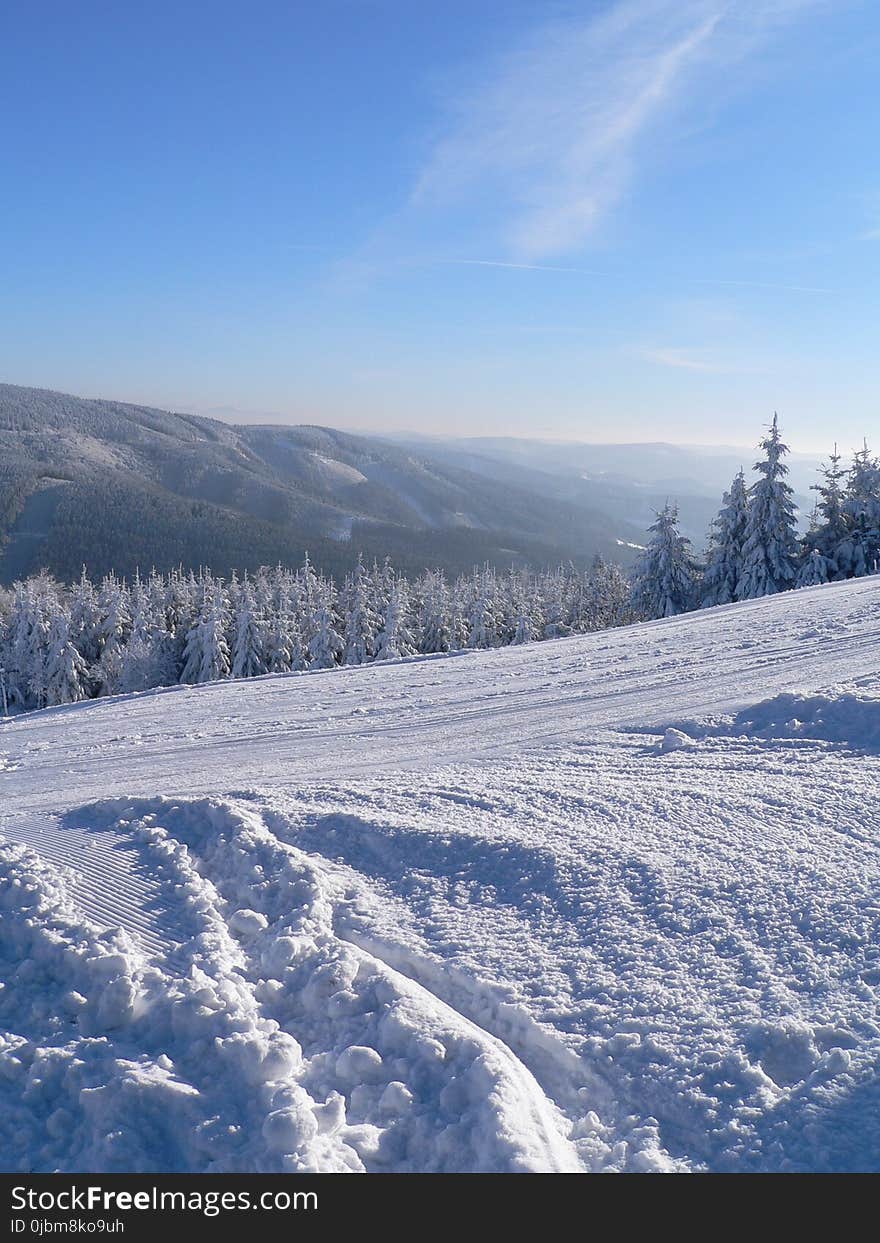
[[608, 902]]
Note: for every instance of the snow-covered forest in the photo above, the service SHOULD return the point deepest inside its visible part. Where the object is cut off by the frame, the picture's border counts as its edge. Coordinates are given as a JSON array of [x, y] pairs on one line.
[[754, 548], [61, 644]]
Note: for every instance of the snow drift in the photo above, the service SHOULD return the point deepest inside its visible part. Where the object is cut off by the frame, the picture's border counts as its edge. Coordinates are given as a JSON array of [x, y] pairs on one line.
[[846, 718]]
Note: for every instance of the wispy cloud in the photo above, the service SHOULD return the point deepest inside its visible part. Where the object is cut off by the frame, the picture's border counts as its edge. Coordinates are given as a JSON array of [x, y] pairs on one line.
[[680, 359], [611, 275], [556, 129], [524, 267]]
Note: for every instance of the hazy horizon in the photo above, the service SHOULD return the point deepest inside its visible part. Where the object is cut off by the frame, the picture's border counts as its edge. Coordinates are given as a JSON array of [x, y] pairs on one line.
[[236, 416]]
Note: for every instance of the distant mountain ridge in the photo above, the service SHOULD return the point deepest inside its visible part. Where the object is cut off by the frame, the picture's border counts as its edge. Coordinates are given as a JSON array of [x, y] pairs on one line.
[[626, 482], [117, 486]]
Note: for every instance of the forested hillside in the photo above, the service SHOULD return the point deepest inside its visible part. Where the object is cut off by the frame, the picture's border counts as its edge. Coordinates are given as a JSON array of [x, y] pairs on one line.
[[118, 487]]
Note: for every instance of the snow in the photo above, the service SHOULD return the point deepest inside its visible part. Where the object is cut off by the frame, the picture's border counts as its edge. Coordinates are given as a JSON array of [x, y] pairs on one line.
[[335, 471], [601, 903], [848, 718]]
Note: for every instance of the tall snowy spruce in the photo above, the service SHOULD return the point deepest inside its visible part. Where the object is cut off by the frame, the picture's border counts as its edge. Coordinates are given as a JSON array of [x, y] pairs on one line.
[[394, 639], [770, 546], [326, 645], [66, 673], [605, 600], [248, 655], [361, 621], [724, 556], [665, 579], [859, 553], [206, 655], [829, 529]]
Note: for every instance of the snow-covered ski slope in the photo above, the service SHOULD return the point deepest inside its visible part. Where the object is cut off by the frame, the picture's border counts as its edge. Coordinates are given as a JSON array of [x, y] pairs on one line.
[[609, 902]]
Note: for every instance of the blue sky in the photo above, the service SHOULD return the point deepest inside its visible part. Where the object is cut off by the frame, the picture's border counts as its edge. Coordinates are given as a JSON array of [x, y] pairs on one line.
[[637, 220]]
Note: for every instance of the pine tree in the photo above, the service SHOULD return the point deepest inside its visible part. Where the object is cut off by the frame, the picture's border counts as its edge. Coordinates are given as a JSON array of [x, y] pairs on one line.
[[725, 552], [556, 621], [361, 622], [815, 568], [483, 617], [66, 672], [434, 626], [394, 639], [84, 620], [665, 579], [829, 530], [326, 647], [180, 609], [114, 627], [248, 655], [522, 619], [606, 598], [206, 654], [859, 552], [28, 641], [148, 657], [770, 546]]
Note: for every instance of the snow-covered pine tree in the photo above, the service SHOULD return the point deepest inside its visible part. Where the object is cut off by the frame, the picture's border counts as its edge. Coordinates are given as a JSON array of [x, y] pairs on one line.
[[665, 579], [33, 602], [5, 651], [206, 654], [815, 568], [521, 617], [148, 657], [360, 620], [114, 612], [770, 544], [114, 627], [380, 583], [308, 591], [434, 628], [248, 654], [524, 628], [180, 609], [592, 603], [605, 599], [66, 672], [828, 532], [557, 622], [859, 552], [483, 613], [459, 613], [272, 605], [724, 555], [85, 629], [326, 647], [394, 639]]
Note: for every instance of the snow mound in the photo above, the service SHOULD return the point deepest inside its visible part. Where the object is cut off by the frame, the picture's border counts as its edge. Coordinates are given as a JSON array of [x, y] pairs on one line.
[[848, 718], [675, 740]]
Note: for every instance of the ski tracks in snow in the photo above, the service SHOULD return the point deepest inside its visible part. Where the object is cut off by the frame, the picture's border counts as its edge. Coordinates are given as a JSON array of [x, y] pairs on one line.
[[180, 994]]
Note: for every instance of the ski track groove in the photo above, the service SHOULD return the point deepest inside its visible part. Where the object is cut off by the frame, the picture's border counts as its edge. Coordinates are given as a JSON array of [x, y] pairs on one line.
[[110, 882]]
